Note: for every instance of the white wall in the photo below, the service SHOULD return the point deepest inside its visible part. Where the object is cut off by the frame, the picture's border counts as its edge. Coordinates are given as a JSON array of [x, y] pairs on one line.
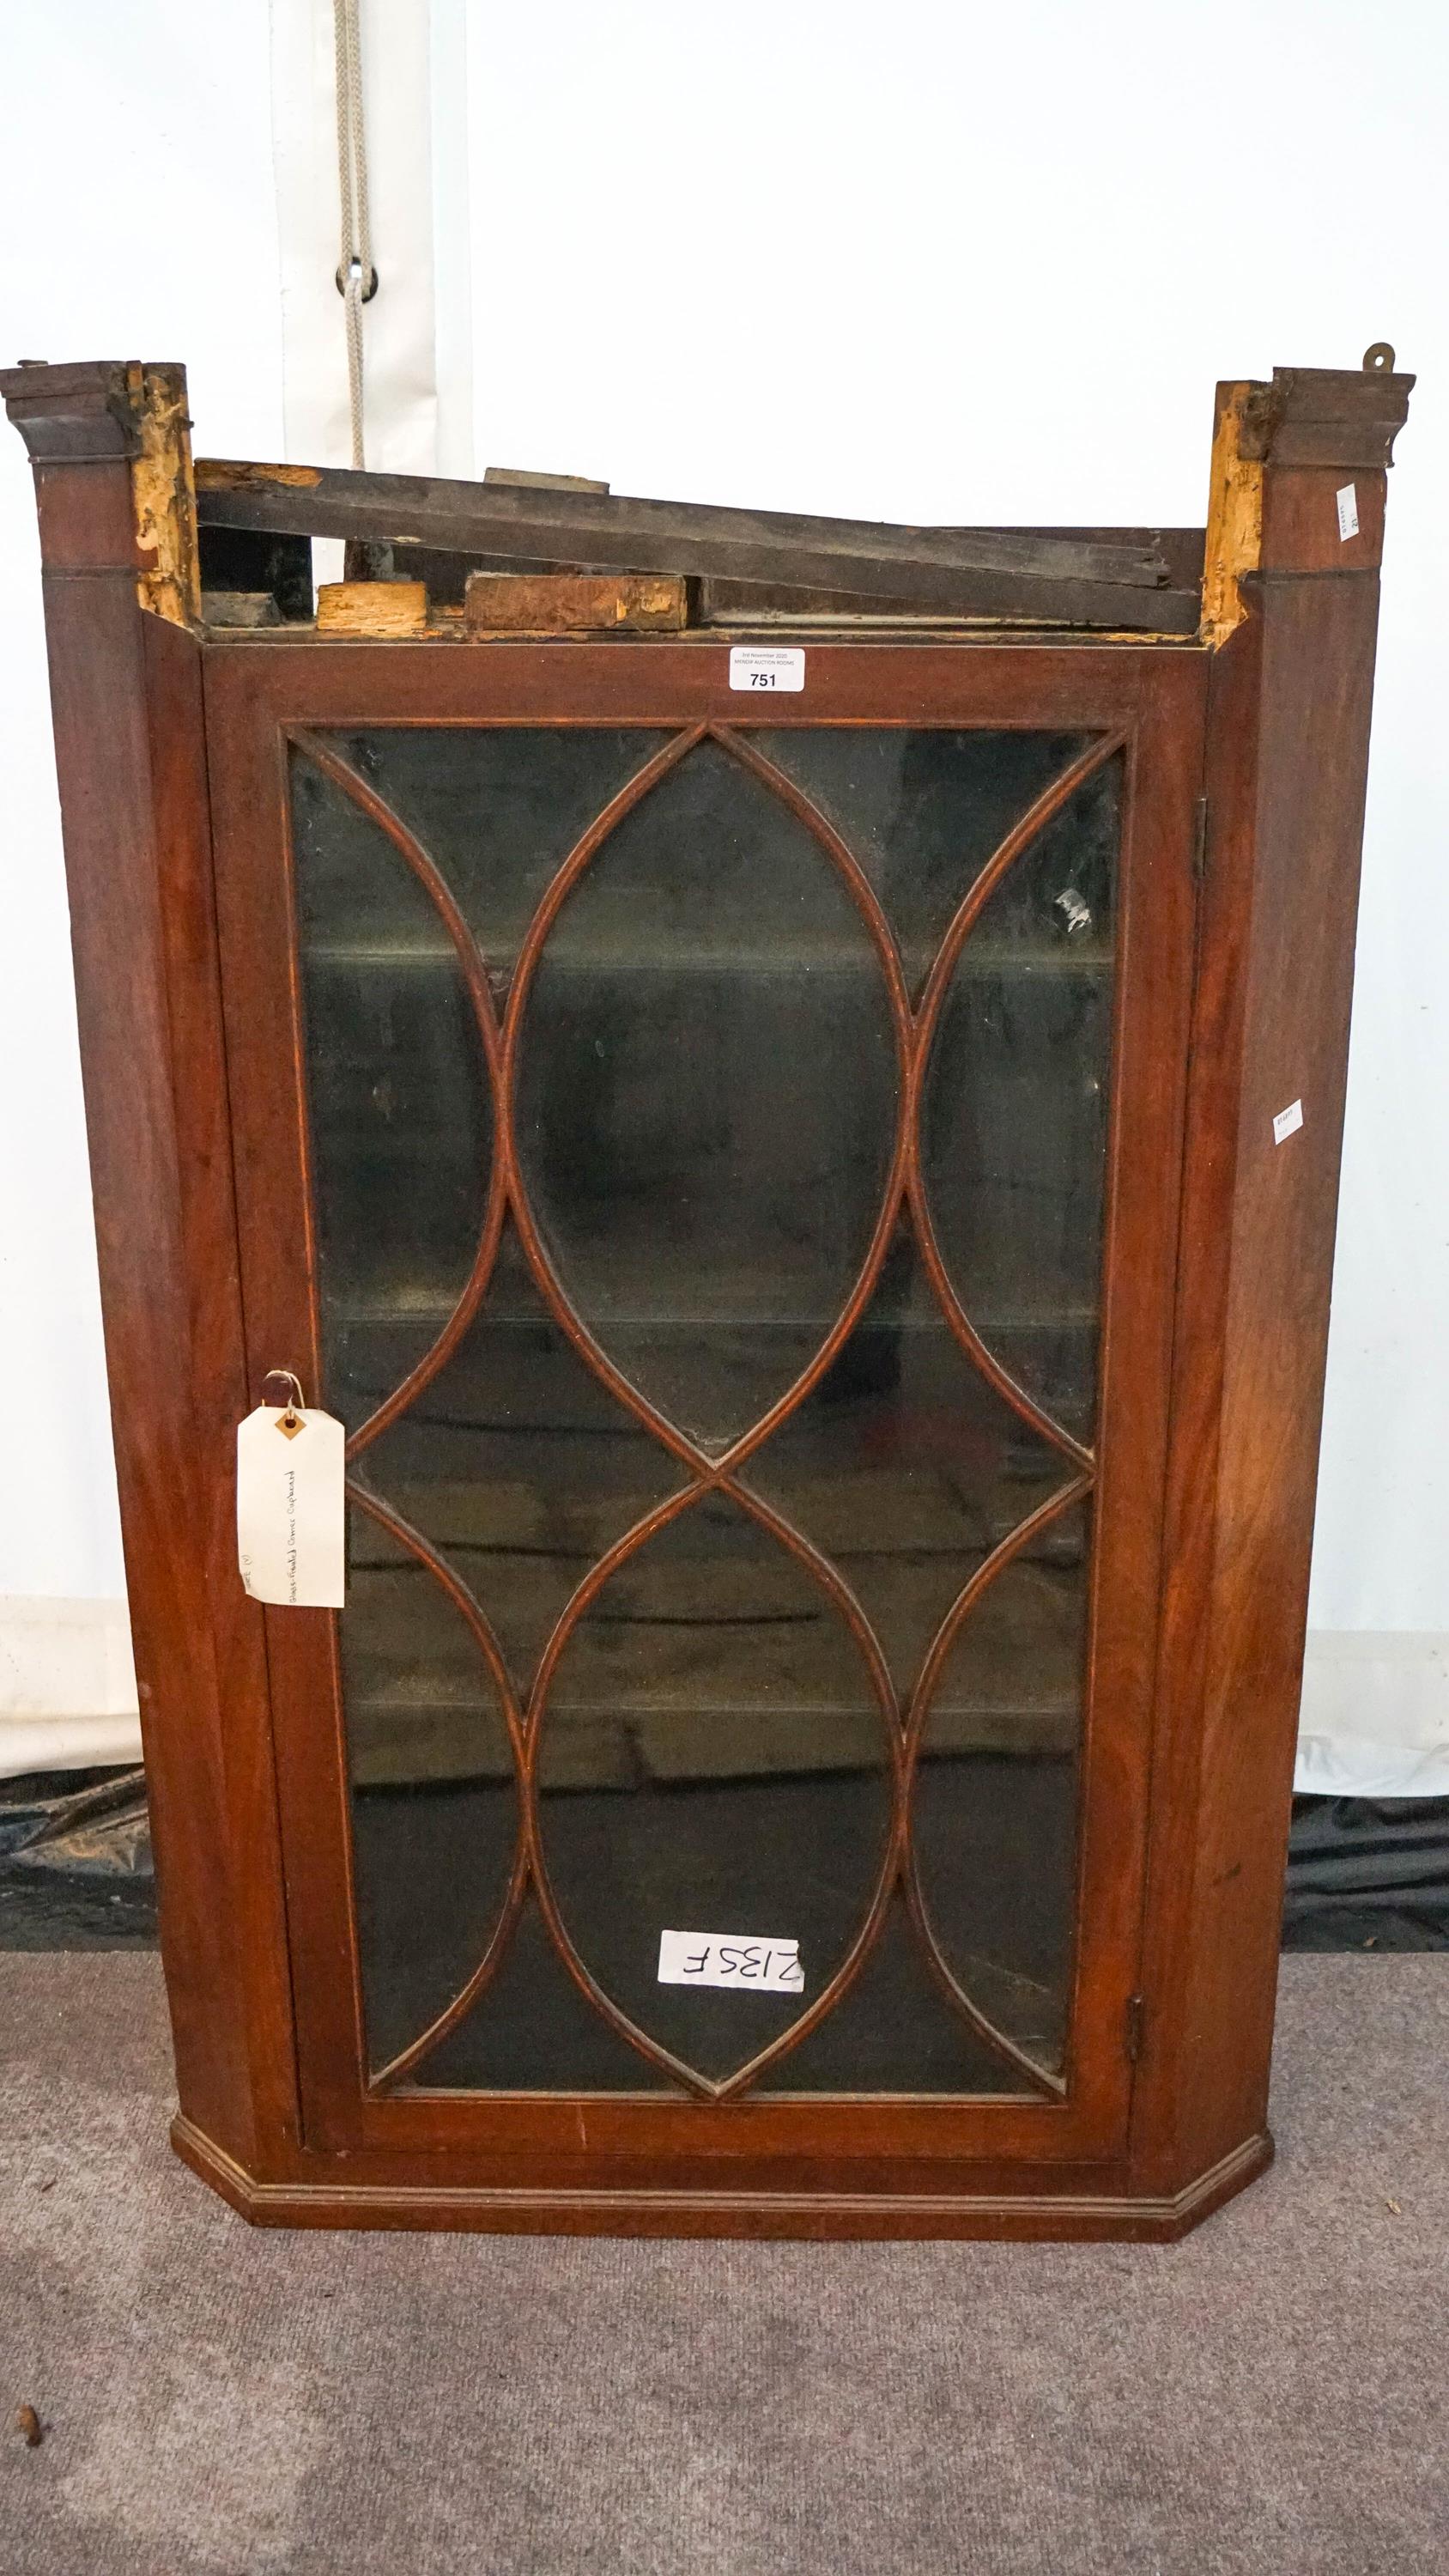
[[137, 212], [941, 262]]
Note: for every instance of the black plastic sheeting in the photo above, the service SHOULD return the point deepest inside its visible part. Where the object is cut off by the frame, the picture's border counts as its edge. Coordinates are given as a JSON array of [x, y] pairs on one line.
[[75, 1862], [75, 1868], [1368, 1873]]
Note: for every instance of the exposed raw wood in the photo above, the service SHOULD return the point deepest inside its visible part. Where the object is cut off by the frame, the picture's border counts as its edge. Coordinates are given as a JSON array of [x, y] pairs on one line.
[[1235, 509], [514, 603], [372, 608], [288, 478], [956, 572], [164, 496]]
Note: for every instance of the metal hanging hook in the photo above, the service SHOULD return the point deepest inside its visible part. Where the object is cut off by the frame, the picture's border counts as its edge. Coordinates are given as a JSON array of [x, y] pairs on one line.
[[368, 286]]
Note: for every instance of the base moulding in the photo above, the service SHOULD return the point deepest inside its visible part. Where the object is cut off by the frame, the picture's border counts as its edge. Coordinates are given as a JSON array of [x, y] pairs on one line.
[[458, 2208]]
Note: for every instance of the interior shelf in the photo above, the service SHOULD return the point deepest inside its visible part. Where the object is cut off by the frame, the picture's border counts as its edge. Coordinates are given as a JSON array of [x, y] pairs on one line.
[[793, 958], [434, 1305]]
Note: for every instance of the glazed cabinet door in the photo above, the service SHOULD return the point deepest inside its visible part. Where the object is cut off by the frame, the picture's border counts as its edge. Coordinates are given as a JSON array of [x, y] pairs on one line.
[[721, 1162]]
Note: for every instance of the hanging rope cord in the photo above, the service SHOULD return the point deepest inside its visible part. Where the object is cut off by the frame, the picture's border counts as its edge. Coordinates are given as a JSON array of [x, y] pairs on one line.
[[356, 276]]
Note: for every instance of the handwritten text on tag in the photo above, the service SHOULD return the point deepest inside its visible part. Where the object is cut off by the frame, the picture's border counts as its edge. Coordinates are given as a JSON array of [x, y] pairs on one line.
[[730, 1959], [290, 1535]]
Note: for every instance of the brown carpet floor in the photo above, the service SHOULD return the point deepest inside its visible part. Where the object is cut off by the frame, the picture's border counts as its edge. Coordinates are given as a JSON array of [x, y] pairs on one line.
[[1268, 2399]]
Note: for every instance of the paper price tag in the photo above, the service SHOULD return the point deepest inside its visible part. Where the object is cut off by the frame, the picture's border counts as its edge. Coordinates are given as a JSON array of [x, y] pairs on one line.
[[1347, 513], [1288, 1122], [739, 1959], [290, 1515], [753, 667]]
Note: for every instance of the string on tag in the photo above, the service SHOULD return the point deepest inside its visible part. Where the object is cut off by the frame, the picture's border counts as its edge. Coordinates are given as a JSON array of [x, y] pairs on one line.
[[293, 1418]]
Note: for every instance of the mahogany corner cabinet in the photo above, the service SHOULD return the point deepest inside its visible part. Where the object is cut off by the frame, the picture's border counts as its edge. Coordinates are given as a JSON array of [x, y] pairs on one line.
[[783, 1080]]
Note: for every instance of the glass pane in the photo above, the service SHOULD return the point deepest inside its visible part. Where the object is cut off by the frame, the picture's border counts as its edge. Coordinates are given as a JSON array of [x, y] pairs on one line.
[[434, 1810], [516, 1464], [921, 811], [401, 1124], [497, 808], [904, 1465], [533, 2031], [1014, 1139], [712, 1759], [707, 1096], [897, 2031], [996, 1790], [708, 1091]]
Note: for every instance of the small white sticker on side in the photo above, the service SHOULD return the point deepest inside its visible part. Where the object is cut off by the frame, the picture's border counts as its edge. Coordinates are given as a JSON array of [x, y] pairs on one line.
[[290, 1512], [1287, 1122], [739, 1959], [752, 666], [1347, 513]]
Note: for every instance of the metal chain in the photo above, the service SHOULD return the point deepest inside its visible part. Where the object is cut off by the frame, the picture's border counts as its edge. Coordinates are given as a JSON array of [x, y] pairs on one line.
[[355, 275]]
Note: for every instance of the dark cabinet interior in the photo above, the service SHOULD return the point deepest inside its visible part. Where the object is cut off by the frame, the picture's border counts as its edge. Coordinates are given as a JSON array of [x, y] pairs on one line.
[[719, 1156]]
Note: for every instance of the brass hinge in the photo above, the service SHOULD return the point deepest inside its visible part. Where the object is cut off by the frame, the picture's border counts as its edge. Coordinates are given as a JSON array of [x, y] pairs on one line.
[[1132, 2037], [1199, 839]]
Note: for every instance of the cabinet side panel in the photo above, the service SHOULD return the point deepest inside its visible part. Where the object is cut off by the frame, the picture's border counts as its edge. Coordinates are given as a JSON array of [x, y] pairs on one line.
[[1317, 682], [131, 769], [103, 752], [1287, 762]]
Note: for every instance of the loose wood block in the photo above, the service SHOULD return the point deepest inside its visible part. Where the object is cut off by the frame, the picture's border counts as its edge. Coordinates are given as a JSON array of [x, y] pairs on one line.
[[372, 608], [510, 603]]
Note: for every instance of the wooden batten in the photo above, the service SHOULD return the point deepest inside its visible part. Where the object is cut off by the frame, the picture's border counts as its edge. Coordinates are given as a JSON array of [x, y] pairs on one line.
[[1117, 580], [515, 603]]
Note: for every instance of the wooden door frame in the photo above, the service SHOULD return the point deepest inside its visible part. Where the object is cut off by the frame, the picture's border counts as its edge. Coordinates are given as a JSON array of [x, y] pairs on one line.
[[1155, 699]]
